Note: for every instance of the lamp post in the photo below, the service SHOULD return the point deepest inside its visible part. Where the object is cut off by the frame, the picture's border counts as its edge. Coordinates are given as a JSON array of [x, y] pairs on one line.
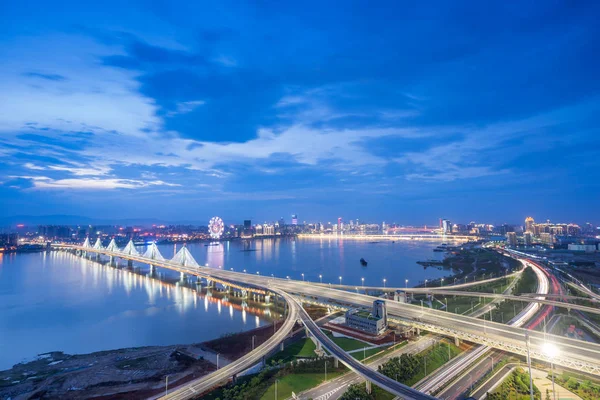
[[363, 282], [166, 385], [529, 367], [425, 282], [551, 351], [406, 283], [218, 360], [442, 282], [340, 281], [303, 276], [384, 283], [320, 278], [253, 337]]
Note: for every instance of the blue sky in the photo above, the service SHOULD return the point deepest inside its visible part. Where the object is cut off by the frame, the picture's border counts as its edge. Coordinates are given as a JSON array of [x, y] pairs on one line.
[[396, 112]]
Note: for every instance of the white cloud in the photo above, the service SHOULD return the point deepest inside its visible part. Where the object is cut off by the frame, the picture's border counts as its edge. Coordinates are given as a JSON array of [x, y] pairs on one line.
[[88, 97], [43, 182], [186, 107]]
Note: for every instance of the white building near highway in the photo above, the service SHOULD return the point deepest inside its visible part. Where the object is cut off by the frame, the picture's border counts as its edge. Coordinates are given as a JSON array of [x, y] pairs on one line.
[[374, 323]]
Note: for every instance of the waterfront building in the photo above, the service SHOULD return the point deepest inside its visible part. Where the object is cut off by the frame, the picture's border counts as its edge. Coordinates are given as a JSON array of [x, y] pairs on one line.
[[511, 239], [374, 322], [588, 248], [294, 219], [446, 226]]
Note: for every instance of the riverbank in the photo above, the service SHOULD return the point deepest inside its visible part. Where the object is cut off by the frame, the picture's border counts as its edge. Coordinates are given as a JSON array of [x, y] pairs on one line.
[[134, 373]]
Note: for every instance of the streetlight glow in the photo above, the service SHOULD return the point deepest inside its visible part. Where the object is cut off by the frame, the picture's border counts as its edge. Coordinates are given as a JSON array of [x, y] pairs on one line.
[[550, 349]]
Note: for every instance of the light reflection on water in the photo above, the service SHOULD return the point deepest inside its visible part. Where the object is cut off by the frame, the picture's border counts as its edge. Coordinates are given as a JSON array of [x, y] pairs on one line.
[[57, 301]]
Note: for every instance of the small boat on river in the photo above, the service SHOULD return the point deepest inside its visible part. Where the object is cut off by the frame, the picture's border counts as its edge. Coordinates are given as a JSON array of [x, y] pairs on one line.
[[363, 262]]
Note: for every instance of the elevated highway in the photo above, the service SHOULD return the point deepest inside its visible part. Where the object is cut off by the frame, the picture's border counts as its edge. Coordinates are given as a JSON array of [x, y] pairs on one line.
[[205, 383], [392, 386], [574, 354], [529, 298]]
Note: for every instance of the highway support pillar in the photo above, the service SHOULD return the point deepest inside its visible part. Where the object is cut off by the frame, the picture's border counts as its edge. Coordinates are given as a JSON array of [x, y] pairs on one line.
[[418, 331], [336, 362], [281, 346], [182, 276], [98, 257], [267, 299], [368, 386], [111, 261], [456, 341], [129, 263]]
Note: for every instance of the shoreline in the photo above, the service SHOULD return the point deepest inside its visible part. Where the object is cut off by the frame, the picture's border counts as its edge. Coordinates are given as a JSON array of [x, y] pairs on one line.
[[137, 372]]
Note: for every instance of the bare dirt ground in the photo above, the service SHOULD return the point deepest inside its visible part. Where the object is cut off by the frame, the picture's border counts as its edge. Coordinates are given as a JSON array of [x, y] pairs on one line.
[[126, 373]]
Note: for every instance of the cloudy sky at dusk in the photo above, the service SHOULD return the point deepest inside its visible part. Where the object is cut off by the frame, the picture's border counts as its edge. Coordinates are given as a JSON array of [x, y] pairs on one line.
[[402, 113]]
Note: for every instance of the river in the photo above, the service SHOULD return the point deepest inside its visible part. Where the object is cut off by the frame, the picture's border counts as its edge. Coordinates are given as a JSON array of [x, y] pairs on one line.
[[57, 301]]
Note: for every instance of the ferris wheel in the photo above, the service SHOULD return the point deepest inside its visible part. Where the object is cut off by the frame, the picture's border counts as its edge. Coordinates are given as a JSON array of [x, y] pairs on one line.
[[215, 227]]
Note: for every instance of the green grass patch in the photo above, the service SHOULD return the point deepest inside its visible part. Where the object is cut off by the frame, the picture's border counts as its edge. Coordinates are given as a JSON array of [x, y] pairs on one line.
[[297, 383], [581, 386], [528, 282], [362, 355], [303, 348], [460, 304], [345, 343], [388, 350], [515, 386], [433, 358]]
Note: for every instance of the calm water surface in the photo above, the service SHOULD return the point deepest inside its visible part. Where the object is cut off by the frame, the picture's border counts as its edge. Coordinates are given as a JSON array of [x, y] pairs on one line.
[[330, 258], [58, 301]]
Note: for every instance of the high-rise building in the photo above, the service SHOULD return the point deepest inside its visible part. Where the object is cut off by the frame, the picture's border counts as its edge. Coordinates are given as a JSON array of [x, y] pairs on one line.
[[339, 224], [529, 223], [547, 238], [294, 219], [446, 226], [527, 238], [247, 224], [511, 239]]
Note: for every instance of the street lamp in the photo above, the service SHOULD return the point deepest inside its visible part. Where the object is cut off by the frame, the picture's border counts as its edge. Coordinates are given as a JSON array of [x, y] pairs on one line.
[[551, 351], [442, 281], [529, 367], [303, 276], [425, 282], [321, 278], [340, 281], [244, 271], [406, 283], [384, 283]]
